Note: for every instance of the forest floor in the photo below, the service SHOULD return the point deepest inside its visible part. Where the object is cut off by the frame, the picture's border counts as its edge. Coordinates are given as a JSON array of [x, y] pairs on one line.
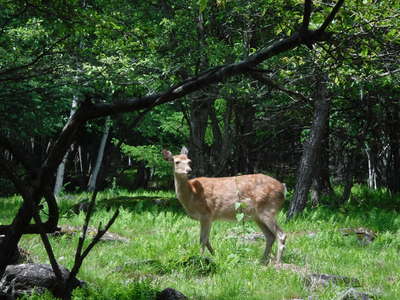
[[330, 252]]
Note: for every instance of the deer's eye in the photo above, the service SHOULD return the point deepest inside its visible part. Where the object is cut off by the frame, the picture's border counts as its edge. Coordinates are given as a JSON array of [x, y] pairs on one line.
[[177, 162]]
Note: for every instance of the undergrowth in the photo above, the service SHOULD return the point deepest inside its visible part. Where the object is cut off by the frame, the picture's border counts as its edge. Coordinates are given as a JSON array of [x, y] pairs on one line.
[[163, 250]]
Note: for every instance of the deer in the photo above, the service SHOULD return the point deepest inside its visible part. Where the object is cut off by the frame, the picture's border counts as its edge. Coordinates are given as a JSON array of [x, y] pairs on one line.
[[206, 199]]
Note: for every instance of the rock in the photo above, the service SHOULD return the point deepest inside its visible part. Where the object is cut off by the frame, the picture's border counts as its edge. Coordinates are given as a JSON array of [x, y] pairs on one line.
[[170, 294], [318, 280], [310, 234], [24, 279], [254, 236], [82, 206], [251, 237], [91, 231], [20, 255], [364, 235], [113, 237], [291, 267], [354, 294]]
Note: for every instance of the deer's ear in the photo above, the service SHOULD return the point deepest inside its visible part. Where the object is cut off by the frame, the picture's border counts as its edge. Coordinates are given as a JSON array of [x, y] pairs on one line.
[[167, 155], [184, 150]]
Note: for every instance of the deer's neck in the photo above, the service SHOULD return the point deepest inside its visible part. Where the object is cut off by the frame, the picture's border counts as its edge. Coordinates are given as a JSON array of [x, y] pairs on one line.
[[182, 189]]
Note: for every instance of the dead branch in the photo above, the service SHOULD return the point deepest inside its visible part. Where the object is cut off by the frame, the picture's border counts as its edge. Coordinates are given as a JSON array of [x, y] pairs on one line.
[[79, 255]]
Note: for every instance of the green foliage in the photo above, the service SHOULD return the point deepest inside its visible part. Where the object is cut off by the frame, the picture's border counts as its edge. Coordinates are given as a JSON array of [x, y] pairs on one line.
[[151, 156]]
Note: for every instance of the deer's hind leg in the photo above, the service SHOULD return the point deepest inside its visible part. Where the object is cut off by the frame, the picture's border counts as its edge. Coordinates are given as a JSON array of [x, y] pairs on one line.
[[269, 240], [268, 220]]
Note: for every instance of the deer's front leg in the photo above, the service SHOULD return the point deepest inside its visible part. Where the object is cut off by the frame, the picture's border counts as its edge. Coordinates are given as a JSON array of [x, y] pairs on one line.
[[205, 228]]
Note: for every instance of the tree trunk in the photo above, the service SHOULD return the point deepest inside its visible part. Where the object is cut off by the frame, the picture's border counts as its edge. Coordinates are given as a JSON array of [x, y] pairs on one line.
[[348, 177], [321, 185], [142, 177], [61, 167], [199, 111], [244, 114], [60, 176], [393, 163], [310, 149], [372, 173], [221, 148], [99, 159]]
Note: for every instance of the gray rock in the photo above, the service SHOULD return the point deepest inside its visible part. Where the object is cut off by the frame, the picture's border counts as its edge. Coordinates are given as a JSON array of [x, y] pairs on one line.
[[354, 294], [364, 235], [248, 237], [170, 294], [23, 279], [254, 236], [318, 280]]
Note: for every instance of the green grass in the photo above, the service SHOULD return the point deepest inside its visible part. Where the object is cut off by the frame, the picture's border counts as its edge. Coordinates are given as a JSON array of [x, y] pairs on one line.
[[163, 250]]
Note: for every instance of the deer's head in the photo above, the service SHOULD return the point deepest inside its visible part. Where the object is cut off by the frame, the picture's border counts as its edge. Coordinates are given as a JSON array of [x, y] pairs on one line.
[[180, 162]]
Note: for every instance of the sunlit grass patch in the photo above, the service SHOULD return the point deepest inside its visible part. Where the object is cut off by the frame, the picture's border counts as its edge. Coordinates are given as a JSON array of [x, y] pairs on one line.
[[162, 250]]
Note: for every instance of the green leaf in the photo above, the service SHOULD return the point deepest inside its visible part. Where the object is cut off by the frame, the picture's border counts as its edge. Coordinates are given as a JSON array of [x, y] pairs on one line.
[[202, 5], [239, 217]]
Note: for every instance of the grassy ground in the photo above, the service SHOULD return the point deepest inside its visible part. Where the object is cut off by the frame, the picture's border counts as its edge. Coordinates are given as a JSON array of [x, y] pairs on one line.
[[163, 251]]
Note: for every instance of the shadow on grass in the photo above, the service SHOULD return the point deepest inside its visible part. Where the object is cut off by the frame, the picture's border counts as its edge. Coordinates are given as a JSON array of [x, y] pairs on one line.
[[142, 203], [192, 265]]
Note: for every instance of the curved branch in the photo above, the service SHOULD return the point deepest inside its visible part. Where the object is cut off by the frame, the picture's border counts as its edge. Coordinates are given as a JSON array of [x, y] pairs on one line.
[[49, 226]]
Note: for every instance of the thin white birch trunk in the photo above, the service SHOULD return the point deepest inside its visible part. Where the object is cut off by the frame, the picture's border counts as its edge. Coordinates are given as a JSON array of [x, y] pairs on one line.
[[371, 171], [99, 159], [61, 167]]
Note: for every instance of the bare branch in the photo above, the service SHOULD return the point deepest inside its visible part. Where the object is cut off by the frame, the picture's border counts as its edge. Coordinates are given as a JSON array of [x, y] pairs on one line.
[[47, 245], [331, 16], [100, 234], [390, 72], [79, 256], [85, 227], [49, 226], [307, 14], [44, 53], [269, 82]]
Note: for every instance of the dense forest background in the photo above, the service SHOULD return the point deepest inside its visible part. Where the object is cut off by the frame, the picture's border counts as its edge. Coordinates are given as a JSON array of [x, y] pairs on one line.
[[57, 56]]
